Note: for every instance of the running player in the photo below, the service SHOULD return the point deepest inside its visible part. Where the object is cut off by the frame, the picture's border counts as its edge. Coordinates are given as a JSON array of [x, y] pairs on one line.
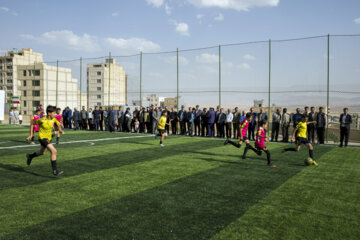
[[58, 117], [301, 138], [45, 129], [161, 127], [241, 133], [260, 142], [36, 127]]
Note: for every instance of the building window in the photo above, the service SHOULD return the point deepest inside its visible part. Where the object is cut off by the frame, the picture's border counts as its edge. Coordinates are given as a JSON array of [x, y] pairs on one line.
[[99, 96], [9, 74], [24, 105], [29, 73], [24, 94], [9, 67], [99, 103], [9, 81], [25, 112], [1, 81], [0, 61], [99, 88], [36, 93], [24, 73], [97, 65], [98, 73], [9, 60], [37, 72], [24, 83], [99, 81], [36, 83], [36, 103], [9, 88], [0, 67]]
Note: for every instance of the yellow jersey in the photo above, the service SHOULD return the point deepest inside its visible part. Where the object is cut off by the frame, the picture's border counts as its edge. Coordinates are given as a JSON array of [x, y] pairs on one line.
[[46, 126], [301, 129], [162, 121]]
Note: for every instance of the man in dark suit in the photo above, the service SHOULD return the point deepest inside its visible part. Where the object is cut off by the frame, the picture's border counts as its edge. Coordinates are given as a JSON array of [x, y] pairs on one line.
[[204, 122], [182, 118], [190, 122], [211, 121], [173, 120], [221, 123], [345, 121], [320, 125], [311, 127], [167, 126], [197, 120], [217, 114]]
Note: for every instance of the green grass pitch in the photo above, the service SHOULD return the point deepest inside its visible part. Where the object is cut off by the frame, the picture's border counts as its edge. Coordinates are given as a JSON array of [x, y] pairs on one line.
[[128, 187]]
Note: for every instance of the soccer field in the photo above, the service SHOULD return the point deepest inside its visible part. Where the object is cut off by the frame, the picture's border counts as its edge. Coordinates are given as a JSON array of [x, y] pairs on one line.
[[124, 186]]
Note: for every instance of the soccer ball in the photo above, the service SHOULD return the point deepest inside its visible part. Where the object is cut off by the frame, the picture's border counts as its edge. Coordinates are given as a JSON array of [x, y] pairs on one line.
[[308, 161]]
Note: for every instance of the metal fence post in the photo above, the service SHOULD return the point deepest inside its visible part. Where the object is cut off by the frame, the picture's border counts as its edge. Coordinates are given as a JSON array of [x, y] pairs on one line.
[[328, 87], [80, 80], [177, 79], [109, 79], [57, 81], [220, 75], [140, 77], [269, 94]]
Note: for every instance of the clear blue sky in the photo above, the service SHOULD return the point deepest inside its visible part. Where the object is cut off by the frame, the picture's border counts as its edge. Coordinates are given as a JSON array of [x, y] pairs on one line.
[[70, 29]]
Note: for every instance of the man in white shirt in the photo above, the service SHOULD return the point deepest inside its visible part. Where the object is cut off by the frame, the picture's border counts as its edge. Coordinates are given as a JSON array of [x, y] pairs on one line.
[[228, 123]]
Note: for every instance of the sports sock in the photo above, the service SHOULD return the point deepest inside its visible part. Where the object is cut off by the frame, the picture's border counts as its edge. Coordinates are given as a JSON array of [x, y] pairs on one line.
[[246, 149], [53, 165], [32, 139], [290, 149], [57, 139], [235, 144], [33, 155], [311, 153], [160, 142], [268, 156]]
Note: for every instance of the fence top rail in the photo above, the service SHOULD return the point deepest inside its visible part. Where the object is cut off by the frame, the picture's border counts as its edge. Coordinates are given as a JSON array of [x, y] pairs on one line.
[[211, 47]]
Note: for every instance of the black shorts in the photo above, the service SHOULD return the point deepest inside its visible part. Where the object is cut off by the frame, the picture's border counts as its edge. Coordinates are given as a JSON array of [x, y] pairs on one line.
[[244, 138], [56, 128], [300, 140], [44, 142], [161, 131]]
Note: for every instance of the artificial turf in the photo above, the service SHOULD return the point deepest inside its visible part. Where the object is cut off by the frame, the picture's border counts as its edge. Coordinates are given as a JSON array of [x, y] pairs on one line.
[[127, 187]]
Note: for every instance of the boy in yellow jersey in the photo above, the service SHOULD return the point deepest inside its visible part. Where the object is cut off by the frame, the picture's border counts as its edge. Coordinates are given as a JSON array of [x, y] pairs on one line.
[[161, 127], [301, 137], [45, 133]]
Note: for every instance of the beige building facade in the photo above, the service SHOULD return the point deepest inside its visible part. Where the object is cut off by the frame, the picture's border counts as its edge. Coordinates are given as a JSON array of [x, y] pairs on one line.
[[9, 80], [42, 84], [98, 84]]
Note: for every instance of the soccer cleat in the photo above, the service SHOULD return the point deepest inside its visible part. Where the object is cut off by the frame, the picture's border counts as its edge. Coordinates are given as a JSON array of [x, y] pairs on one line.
[[28, 159], [161, 145], [57, 173], [32, 143], [270, 165], [283, 150], [243, 157], [226, 141], [315, 163]]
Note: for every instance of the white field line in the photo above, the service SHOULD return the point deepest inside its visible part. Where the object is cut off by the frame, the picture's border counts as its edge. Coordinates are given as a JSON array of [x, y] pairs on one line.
[[79, 141]]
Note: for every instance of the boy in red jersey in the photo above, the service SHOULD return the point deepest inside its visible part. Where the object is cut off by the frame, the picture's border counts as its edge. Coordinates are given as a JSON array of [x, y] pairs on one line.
[[59, 117], [36, 127], [242, 134], [260, 143]]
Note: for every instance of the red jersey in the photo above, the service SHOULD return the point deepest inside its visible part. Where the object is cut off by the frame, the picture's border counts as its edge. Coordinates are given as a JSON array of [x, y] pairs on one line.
[[244, 126], [260, 138], [36, 127]]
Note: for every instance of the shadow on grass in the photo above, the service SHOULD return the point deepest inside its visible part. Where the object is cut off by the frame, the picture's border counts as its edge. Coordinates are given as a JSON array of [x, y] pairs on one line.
[[194, 207], [21, 170]]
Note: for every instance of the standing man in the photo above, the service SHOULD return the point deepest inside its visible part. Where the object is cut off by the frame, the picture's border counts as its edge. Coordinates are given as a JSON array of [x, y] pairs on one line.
[[155, 119], [142, 120], [262, 115], [69, 116], [167, 126], [190, 121], [275, 125], [252, 125], [311, 127], [182, 118], [102, 119], [235, 122], [345, 121], [228, 123], [296, 118], [120, 115], [211, 122], [217, 114], [147, 120], [83, 117], [320, 125], [197, 120], [106, 113], [221, 123], [76, 119], [285, 124], [90, 118], [97, 118], [173, 121], [204, 122], [112, 119], [12, 116]]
